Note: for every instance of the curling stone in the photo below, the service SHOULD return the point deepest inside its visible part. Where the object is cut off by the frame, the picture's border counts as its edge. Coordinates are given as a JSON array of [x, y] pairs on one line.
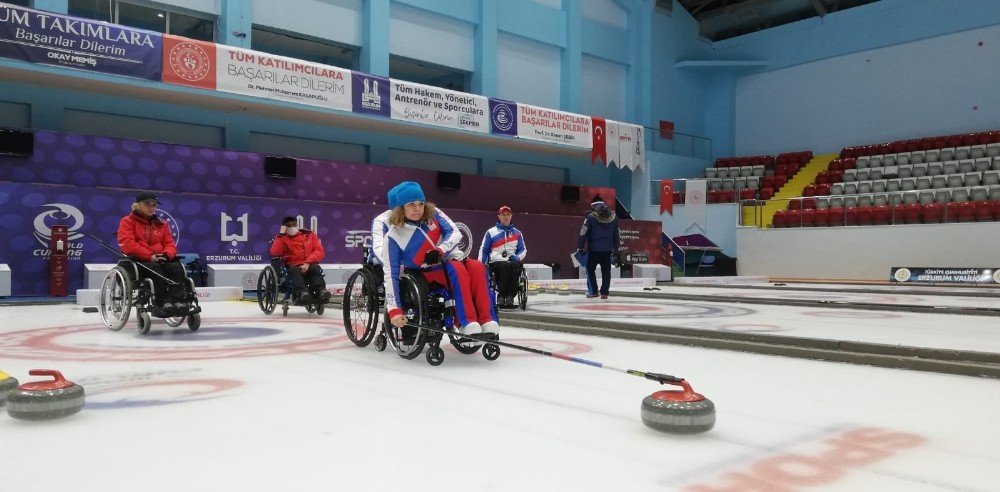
[[678, 412], [7, 384], [563, 290], [45, 400], [533, 289]]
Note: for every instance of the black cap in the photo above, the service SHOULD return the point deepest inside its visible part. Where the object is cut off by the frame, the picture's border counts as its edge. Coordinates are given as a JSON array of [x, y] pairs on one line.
[[289, 219], [145, 196], [597, 198]]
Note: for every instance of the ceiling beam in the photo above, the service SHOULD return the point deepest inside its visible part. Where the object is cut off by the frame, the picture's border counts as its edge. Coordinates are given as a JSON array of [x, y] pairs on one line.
[[734, 10]]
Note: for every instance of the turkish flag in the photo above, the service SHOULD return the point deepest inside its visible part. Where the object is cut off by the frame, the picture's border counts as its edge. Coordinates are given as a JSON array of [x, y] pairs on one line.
[[600, 150], [667, 196]]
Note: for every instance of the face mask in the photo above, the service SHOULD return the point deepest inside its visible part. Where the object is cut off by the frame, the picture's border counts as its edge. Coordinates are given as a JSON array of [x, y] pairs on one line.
[[291, 231]]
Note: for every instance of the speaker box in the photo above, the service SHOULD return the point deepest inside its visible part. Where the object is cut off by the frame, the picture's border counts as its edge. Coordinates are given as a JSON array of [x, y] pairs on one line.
[[449, 181], [279, 167], [570, 193], [17, 142]]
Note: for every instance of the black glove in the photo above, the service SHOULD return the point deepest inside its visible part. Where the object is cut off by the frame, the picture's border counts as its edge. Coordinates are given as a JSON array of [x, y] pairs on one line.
[[432, 257], [616, 259]]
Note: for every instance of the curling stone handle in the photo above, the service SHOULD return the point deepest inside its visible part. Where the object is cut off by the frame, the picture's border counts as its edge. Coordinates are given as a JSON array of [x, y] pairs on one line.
[[58, 377], [664, 378]]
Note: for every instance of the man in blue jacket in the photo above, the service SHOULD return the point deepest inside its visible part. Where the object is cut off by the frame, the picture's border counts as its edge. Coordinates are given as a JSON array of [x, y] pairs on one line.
[[503, 250], [599, 238]]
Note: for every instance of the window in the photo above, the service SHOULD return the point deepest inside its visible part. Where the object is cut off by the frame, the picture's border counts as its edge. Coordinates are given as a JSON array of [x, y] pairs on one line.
[[302, 47], [654, 192], [428, 74], [144, 17]]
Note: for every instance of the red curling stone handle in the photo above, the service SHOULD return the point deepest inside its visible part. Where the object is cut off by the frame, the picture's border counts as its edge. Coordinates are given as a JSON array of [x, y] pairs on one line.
[[57, 382]]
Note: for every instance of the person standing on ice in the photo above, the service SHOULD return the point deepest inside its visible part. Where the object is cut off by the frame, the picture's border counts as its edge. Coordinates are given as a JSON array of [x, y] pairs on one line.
[[599, 235], [421, 237]]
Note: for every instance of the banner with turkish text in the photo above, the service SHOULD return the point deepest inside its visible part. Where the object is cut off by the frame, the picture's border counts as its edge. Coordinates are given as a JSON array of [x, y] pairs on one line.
[[549, 125], [438, 107]]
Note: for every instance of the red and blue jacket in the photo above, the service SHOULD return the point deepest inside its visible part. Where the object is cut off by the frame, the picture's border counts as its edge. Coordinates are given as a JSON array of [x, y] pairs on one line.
[[501, 242], [405, 246]]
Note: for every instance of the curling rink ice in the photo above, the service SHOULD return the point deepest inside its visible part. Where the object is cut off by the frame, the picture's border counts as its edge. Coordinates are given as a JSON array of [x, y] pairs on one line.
[[264, 403]]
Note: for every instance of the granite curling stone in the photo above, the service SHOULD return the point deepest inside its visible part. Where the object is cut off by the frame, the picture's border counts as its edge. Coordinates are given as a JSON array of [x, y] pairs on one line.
[[678, 412], [45, 400], [7, 384]]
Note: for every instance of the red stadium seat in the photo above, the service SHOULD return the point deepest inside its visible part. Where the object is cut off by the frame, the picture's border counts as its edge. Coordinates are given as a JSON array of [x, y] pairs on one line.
[[748, 194], [794, 204], [985, 211], [851, 216], [808, 203], [835, 216], [823, 190], [880, 215], [810, 190], [933, 213], [808, 217], [865, 215], [951, 212], [967, 212], [778, 220], [793, 218], [912, 213], [766, 193], [821, 217], [897, 213]]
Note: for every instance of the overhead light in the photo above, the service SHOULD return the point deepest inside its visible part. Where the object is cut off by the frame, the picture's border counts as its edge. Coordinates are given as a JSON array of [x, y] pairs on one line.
[[159, 14]]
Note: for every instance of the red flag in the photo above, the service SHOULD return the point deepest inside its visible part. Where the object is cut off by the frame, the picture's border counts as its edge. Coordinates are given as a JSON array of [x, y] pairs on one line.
[[600, 150], [667, 196]]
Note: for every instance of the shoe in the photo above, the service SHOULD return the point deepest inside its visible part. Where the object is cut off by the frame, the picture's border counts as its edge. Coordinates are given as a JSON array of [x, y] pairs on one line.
[[591, 296], [604, 296], [471, 329], [305, 298], [491, 327], [325, 296]]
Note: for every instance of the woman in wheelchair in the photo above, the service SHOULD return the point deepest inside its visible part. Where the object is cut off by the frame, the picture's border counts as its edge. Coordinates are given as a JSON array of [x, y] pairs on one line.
[[421, 237], [503, 250], [301, 251], [147, 240]]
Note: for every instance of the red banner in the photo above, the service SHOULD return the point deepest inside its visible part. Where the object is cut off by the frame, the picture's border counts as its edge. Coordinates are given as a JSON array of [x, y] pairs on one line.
[[600, 150], [189, 62], [667, 196]]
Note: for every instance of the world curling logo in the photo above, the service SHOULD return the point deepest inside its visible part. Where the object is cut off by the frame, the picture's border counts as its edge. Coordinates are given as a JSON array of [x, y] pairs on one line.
[[59, 213], [189, 61]]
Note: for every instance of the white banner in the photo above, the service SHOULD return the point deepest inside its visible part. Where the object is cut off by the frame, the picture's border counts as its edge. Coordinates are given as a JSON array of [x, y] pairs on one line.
[[626, 143], [549, 125], [614, 145], [440, 107], [694, 201], [639, 159], [254, 73]]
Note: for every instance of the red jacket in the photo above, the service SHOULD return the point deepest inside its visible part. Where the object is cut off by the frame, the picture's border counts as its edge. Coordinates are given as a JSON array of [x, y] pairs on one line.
[[303, 247], [143, 237]]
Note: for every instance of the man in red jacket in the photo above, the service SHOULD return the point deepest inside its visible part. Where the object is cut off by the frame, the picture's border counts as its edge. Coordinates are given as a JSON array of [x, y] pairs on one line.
[[147, 239], [301, 251]]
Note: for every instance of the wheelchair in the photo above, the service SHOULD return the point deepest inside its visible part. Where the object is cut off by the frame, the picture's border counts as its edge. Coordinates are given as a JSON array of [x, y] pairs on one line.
[[273, 281], [422, 303], [123, 288], [520, 299]]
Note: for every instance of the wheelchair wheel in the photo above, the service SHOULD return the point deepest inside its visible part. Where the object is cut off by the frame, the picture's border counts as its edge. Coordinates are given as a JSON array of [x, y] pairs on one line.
[[435, 356], [413, 293], [145, 322], [267, 289], [522, 291], [320, 308], [116, 299], [464, 345], [380, 342], [174, 321], [491, 352], [194, 322], [361, 307]]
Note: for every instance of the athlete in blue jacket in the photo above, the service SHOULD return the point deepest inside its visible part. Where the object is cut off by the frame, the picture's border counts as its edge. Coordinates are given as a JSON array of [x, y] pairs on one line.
[[420, 236], [599, 235], [503, 250]]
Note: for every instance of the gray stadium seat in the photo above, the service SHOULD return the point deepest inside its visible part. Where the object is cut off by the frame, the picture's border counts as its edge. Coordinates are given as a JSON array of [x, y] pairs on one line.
[[962, 153], [932, 156], [908, 184], [956, 180], [890, 171], [875, 173], [996, 163], [924, 183], [850, 175], [960, 195], [926, 197], [966, 165], [851, 201], [864, 187], [946, 154], [753, 182], [864, 200], [822, 203], [977, 151], [979, 194], [902, 158], [880, 199], [746, 171], [893, 184], [758, 171], [949, 167], [888, 160], [838, 201], [971, 179], [942, 196], [896, 198], [935, 168], [862, 162], [939, 181], [920, 170], [982, 164], [995, 192], [993, 150], [728, 184], [862, 174], [837, 189], [722, 172], [711, 172], [911, 197], [878, 185], [850, 188], [715, 184], [991, 178], [740, 183], [905, 171], [917, 157]]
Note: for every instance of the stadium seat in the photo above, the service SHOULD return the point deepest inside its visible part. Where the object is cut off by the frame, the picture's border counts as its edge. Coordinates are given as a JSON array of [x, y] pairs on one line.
[[971, 179], [912, 213], [865, 201], [979, 194], [951, 211], [909, 184], [880, 215], [865, 187], [917, 157], [981, 165], [865, 215], [878, 186], [985, 212], [778, 219], [991, 178], [942, 196], [932, 155], [966, 165], [893, 184], [851, 216], [926, 196], [947, 154], [962, 152], [967, 212], [880, 199], [949, 167], [935, 168], [924, 183], [939, 181], [933, 213], [711, 172], [960, 195], [956, 180]]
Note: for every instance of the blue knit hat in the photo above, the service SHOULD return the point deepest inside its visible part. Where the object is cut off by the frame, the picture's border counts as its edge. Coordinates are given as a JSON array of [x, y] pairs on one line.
[[404, 193]]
